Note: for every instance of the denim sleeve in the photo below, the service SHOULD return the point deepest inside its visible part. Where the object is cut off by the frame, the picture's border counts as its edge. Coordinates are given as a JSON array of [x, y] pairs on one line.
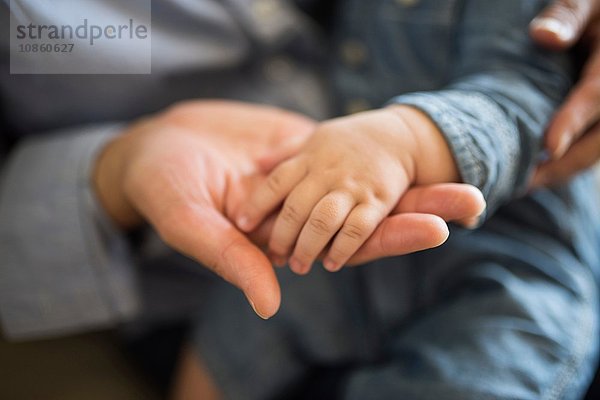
[[502, 93], [64, 267]]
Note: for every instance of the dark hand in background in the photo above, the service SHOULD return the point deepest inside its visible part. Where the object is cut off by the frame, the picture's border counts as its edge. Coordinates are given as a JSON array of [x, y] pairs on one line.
[[573, 137]]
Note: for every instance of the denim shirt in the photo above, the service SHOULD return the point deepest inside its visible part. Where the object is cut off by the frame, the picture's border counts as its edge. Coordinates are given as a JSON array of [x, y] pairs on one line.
[[468, 64], [471, 66]]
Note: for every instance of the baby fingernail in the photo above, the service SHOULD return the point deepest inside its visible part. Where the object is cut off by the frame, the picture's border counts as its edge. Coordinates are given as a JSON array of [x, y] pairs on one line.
[[330, 265], [279, 261], [297, 266]]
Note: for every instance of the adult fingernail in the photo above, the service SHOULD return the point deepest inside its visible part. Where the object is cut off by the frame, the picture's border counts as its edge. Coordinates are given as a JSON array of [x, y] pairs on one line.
[[255, 310], [561, 30], [563, 145]]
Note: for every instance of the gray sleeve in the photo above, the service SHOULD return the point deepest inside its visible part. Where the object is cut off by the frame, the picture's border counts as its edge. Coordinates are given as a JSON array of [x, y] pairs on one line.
[[501, 96], [63, 267]]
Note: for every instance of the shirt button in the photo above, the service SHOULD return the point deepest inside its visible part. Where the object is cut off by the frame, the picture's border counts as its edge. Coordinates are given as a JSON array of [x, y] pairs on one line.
[[353, 53], [265, 9], [278, 69], [407, 3], [357, 105]]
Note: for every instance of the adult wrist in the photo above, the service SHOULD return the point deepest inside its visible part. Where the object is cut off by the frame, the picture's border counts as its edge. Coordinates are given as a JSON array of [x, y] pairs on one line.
[[107, 182]]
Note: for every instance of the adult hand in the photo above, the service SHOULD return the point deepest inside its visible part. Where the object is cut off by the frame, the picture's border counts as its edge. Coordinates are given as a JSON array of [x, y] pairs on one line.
[[184, 169], [573, 137], [188, 169]]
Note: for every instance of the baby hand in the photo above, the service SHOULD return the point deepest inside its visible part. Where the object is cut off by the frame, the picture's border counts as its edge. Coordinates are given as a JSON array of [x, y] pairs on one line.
[[345, 181]]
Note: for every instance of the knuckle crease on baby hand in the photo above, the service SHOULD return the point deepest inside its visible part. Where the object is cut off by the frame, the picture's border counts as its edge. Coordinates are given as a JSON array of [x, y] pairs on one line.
[[354, 231], [290, 214], [274, 182], [320, 226]]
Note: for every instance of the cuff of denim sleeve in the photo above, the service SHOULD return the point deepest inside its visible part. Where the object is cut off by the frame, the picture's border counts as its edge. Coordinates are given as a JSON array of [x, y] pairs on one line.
[[65, 268], [484, 145]]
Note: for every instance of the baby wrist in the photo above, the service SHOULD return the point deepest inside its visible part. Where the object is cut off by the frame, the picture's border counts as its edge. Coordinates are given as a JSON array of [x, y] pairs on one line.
[[431, 155]]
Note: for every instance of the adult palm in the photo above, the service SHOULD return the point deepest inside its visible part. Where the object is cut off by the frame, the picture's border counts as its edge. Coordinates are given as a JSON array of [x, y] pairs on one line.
[[188, 169]]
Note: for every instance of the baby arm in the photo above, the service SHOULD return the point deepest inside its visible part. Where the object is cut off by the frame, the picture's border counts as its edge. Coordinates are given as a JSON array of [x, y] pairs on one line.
[[345, 181]]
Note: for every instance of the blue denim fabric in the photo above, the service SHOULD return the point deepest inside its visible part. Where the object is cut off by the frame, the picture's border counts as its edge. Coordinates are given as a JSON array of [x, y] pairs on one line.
[[508, 311], [469, 65]]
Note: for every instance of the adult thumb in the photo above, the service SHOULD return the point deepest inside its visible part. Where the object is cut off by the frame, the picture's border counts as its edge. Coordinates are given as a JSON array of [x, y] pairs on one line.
[[208, 237], [285, 149]]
